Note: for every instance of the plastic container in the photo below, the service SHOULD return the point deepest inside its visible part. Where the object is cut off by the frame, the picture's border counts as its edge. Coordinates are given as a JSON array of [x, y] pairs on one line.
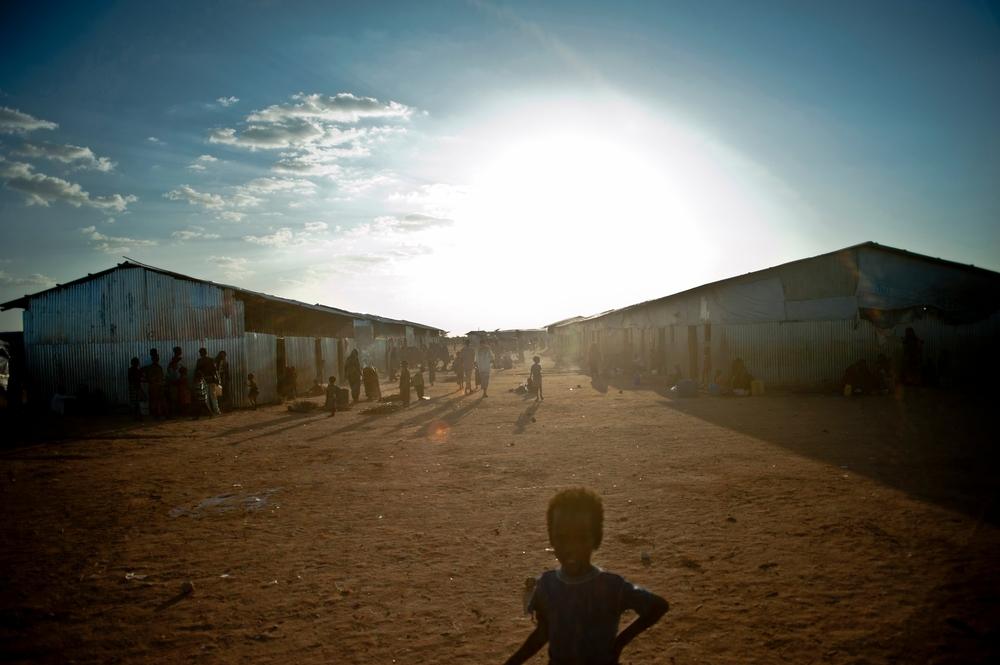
[[756, 388]]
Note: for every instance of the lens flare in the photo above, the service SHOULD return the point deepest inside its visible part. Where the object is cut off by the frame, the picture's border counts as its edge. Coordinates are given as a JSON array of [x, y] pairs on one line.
[[437, 431]]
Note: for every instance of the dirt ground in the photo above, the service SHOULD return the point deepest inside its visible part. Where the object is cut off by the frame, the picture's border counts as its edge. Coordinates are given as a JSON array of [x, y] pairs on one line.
[[782, 528]]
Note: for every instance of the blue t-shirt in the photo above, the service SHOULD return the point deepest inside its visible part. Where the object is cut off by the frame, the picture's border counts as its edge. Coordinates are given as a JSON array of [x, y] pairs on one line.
[[583, 614]]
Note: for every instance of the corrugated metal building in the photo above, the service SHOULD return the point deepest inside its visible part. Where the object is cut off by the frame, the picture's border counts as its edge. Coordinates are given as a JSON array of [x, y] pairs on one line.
[[83, 333], [801, 324]]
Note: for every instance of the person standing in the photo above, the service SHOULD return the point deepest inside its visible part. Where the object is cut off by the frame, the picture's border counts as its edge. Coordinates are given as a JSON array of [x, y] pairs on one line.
[[135, 388], [252, 391], [418, 381], [353, 370], [393, 360], [456, 366], [222, 367], [331, 397], [404, 383], [156, 379], [468, 364], [484, 361], [210, 375], [536, 378], [173, 382]]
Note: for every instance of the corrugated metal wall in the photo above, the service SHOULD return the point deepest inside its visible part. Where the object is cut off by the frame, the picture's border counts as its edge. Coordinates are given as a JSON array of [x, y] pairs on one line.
[[133, 304], [789, 353], [86, 333], [300, 353], [104, 366], [262, 359]]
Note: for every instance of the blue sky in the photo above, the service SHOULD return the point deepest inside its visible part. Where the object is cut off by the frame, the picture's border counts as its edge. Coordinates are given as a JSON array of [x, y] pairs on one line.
[[486, 164]]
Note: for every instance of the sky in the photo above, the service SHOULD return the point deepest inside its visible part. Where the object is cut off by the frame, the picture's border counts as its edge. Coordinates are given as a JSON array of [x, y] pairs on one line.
[[483, 165]]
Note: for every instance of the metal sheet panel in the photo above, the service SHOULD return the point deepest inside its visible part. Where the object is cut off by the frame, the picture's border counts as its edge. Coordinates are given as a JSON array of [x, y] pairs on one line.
[[104, 365], [262, 359], [300, 353], [133, 304]]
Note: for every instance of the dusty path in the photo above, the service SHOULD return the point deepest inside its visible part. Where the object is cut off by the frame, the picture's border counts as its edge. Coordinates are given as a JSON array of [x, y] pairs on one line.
[[802, 529]]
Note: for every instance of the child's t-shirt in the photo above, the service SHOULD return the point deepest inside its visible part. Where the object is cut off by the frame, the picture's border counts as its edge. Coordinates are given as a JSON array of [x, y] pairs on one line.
[[536, 373], [583, 613]]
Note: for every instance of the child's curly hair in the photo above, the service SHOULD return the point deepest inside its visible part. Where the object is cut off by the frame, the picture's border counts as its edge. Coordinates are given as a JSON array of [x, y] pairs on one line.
[[579, 500]]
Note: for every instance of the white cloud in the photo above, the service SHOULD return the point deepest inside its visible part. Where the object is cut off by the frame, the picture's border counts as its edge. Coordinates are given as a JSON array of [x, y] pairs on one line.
[[232, 267], [438, 199], [112, 244], [41, 189], [35, 280], [227, 101], [283, 237], [392, 225], [261, 186], [194, 197], [153, 139], [343, 107], [201, 163], [80, 156], [274, 136], [232, 216], [13, 121], [286, 237], [194, 233]]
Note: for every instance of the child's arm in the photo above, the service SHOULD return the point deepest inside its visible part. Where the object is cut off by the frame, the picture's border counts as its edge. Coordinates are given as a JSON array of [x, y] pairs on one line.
[[657, 608], [535, 641]]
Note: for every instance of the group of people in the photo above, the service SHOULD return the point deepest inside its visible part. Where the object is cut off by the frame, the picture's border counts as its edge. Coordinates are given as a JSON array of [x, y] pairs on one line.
[[172, 391], [474, 364]]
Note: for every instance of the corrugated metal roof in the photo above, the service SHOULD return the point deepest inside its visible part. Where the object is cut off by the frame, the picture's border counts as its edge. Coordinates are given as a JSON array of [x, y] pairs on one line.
[[23, 302], [695, 289]]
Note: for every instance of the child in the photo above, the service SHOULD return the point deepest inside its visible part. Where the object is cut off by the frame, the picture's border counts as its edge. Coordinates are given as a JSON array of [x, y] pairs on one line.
[[577, 607], [252, 391], [199, 396], [331, 397], [404, 383], [536, 378], [135, 388], [418, 381]]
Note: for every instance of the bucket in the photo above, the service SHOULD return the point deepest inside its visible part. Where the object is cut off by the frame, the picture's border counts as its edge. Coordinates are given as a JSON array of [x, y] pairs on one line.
[[756, 388]]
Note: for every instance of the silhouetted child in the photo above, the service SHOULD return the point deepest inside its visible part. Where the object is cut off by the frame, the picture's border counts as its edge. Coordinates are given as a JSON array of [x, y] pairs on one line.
[[577, 607], [135, 388], [252, 391], [331, 397], [404, 383], [536, 378], [418, 381]]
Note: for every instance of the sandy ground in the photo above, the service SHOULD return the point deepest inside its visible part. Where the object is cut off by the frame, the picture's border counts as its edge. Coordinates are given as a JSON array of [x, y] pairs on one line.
[[783, 528]]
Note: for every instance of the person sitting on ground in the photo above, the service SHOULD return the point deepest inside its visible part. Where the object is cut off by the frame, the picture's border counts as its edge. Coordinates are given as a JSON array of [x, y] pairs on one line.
[[369, 376], [418, 381], [404, 382], [331, 397], [316, 389], [577, 607], [716, 387], [535, 376], [739, 377]]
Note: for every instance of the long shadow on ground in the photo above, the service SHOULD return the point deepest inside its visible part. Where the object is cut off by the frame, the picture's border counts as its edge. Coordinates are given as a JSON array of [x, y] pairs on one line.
[[935, 446]]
